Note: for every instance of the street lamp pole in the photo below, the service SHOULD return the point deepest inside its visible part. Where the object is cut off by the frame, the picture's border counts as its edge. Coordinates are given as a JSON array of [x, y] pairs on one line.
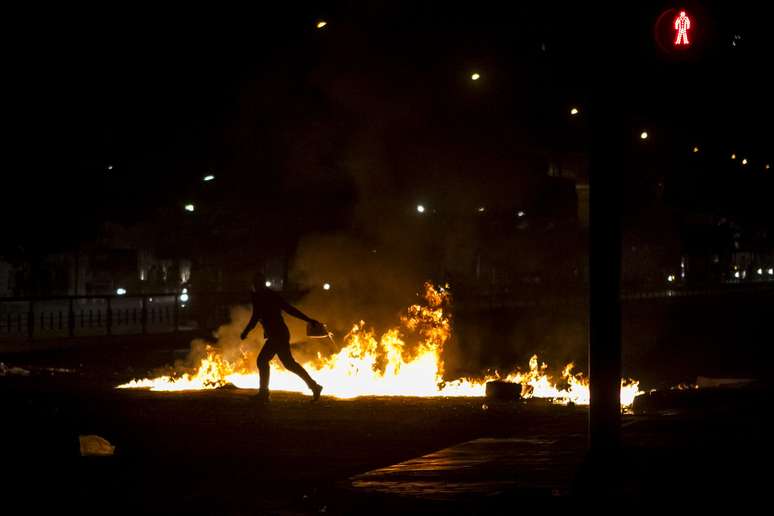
[[605, 193], [609, 140]]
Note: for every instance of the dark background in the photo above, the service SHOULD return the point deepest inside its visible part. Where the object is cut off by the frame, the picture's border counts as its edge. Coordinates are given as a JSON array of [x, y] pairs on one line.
[[276, 109]]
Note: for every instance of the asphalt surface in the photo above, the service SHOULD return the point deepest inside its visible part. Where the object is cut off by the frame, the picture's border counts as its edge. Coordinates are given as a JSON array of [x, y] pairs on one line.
[[220, 452]]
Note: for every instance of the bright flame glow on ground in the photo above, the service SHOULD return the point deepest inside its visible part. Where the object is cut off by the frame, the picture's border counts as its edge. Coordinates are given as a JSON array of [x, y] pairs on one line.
[[404, 361]]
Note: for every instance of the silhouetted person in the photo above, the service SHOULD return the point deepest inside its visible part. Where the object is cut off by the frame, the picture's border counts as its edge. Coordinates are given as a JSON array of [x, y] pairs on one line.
[[267, 308]]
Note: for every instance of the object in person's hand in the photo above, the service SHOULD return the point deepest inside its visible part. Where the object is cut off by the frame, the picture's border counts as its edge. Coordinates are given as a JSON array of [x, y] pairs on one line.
[[316, 330]]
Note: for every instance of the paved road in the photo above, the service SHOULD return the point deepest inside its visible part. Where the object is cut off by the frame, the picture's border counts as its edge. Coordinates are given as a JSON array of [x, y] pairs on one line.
[[220, 452], [220, 449]]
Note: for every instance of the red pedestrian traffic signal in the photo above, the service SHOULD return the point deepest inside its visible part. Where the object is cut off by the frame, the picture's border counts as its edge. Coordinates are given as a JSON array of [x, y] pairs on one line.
[[681, 34], [682, 26]]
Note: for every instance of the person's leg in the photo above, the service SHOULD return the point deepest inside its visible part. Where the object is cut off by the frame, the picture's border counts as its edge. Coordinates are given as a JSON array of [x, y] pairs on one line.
[[291, 365], [264, 369]]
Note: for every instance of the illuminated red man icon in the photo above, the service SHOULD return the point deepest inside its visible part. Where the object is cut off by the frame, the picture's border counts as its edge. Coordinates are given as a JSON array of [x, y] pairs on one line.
[[682, 24]]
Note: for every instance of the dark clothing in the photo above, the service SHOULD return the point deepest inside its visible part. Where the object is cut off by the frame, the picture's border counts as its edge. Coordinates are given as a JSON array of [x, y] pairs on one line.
[[280, 348], [267, 308]]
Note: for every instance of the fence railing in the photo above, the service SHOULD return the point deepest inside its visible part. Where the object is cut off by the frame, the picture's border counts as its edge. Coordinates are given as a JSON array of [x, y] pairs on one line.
[[74, 316], [517, 299]]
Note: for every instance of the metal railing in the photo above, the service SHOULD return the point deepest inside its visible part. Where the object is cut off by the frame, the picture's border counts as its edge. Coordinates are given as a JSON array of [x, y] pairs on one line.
[[534, 298], [75, 316]]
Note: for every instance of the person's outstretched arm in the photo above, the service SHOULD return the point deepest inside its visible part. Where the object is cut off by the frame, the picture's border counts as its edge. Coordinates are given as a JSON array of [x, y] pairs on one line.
[[295, 312]]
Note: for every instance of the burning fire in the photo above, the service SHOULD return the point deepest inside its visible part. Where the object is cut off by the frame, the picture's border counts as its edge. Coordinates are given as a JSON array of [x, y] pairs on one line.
[[403, 361]]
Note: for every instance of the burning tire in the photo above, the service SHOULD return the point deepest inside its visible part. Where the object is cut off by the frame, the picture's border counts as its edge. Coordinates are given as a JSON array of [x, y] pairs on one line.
[[504, 391]]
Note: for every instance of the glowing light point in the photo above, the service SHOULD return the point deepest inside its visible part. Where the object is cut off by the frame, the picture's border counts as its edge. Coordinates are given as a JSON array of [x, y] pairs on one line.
[[520, 214], [321, 24], [695, 150], [420, 208], [767, 167], [184, 298], [671, 278], [475, 76], [733, 156], [759, 271], [771, 272], [189, 207], [120, 291], [644, 135], [481, 209], [326, 286], [682, 26], [110, 167], [268, 284], [736, 274], [574, 111], [209, 177], [744, 161]]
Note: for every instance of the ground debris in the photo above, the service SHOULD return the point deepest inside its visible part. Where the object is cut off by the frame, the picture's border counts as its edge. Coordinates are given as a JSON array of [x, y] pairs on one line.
[[94, 445]]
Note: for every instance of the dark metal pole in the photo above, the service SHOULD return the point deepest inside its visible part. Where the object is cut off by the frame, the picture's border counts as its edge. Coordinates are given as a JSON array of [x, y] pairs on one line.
[[144, 315], [605, 280], [109, 316], [176, 311], [31, 320], [600, 474], [71, 319], [610, 138], [77, 269]]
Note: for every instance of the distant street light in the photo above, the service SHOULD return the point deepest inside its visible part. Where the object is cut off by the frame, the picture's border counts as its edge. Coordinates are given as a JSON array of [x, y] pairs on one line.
[[268, 283], [420, 208], [189, 207], [110, 167], [326, 286], [574, 111], [644, 135], [759, 271], [321, 24], [481, 209], [733, 156], [184, 298], [520, 214], [475, 76], [744, 161], [695, 150], [767, 166], [671, 278], [771, 272], [209, 177], [120, 291]]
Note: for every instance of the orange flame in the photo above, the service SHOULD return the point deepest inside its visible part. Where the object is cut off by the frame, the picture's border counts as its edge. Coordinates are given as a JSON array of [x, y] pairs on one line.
[[404, 361]]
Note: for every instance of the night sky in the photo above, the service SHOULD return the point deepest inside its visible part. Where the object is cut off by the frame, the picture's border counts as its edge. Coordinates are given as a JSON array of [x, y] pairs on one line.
[[302, 127]]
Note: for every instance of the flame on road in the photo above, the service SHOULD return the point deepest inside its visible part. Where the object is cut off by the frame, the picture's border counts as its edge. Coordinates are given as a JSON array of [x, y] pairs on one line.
[[403, 361]]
